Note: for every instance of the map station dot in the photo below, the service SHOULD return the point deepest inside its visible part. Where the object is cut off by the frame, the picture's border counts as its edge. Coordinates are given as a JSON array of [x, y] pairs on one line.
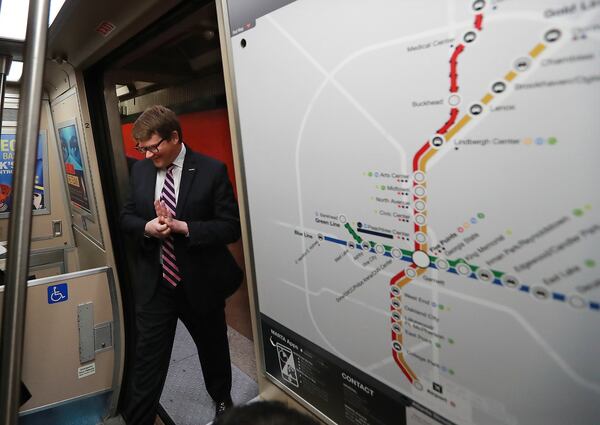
[[410, 272], [419, 191], [485, 275], [420, 219], [437, 141], [421, 259], [498, 86], [343, 219], [552, 35], [510, 281], [463, 269], [419, 176], [478, 5], [576, 301], [476, 109], [454, 100], [522, 64], [470, 36], [540, 293], [442, 264]]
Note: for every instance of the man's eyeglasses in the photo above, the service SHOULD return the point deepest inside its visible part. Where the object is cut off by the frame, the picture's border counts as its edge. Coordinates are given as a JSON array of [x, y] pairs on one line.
[[152, 148]]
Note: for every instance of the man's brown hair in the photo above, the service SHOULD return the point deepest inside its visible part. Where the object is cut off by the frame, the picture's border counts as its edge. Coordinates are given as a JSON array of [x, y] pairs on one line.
[[156, 119]]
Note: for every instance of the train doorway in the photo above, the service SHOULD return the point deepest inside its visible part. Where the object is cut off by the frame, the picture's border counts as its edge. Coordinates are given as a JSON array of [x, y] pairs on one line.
[[176, 62]]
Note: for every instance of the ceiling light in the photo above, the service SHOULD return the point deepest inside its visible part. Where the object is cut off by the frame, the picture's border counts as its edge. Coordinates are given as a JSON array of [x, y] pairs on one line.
[[16, 69], [13, 17]]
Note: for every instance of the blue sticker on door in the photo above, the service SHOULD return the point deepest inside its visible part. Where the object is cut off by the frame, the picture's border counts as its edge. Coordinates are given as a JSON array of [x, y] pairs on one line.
[[58, 293]]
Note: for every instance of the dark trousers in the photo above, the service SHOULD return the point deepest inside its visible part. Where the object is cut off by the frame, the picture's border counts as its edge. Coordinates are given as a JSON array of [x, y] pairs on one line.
[[156, 323]]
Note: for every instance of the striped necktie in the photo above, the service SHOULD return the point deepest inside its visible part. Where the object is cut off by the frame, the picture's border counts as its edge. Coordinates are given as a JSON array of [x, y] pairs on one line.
[[171, 274]]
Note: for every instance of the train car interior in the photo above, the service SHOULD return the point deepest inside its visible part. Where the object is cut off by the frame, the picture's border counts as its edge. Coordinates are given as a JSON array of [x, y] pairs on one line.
[[406, 188]]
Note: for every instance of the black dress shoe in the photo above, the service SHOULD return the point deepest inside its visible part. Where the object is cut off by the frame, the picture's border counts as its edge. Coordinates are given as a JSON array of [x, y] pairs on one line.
[[222, 406]]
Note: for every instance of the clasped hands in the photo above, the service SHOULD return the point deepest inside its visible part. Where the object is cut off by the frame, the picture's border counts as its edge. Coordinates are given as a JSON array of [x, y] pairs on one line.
[[164, 224]]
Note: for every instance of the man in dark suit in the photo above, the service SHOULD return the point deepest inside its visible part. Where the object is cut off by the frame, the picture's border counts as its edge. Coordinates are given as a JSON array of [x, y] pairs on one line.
[[182, 213]]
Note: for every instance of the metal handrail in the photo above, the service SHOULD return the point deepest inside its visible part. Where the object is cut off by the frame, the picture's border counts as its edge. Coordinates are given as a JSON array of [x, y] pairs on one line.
[[5, 62], [19, 229]]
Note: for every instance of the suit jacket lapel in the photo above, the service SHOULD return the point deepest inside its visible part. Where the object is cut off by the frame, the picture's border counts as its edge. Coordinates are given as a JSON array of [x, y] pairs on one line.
[[187, 176], [149, 180]]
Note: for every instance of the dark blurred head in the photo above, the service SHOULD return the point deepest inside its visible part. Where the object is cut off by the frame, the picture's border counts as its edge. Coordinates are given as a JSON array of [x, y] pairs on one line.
[[264, 413]]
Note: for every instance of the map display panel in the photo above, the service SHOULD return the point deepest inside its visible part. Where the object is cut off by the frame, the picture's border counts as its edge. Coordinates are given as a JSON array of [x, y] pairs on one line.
[[422, 187]]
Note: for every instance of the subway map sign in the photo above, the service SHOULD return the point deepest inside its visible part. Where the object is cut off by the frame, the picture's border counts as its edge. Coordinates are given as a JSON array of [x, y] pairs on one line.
[[422, 179]]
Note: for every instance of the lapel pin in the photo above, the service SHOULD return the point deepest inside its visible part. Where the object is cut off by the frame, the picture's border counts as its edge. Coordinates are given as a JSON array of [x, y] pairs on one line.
[[191, 169]]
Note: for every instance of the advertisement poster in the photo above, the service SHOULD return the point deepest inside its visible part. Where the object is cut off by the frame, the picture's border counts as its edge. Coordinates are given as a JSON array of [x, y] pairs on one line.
[[7, 154], [71, 153]]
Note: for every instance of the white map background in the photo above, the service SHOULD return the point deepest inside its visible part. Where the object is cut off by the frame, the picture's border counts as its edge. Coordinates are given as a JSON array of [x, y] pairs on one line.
[[325, 92]]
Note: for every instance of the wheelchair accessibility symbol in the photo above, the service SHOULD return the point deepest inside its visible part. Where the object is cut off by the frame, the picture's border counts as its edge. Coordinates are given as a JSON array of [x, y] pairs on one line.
[[58, 293]]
